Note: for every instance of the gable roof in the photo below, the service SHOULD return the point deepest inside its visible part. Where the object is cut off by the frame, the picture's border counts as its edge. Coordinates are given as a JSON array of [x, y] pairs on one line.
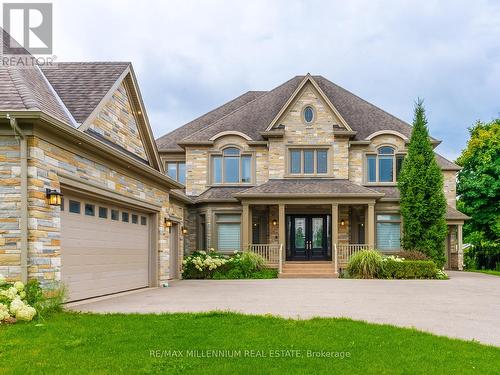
[[255, 116], [82, 85]]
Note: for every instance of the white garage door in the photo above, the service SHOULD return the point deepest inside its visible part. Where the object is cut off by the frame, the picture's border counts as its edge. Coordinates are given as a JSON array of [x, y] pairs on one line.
[[104, 248]]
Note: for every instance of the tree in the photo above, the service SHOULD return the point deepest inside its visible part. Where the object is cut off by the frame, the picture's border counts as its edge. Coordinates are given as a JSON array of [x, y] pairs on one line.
[[479, 191], [423, 204]]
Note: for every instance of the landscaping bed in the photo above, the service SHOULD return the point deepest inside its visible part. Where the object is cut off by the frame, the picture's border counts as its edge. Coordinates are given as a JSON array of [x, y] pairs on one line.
[[371, 264], [185, 343], [217, 266]]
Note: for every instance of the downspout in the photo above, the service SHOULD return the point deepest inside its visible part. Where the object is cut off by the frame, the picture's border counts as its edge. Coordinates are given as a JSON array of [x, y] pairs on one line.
[[23, 224]]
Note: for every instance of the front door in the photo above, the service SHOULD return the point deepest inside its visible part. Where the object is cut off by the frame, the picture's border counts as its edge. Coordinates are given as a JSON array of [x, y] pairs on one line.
[[308, 237]]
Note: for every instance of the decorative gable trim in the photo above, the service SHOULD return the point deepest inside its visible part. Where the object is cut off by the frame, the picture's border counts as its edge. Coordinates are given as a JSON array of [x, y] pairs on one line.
[[310, 79], [393, 132], [134, 95], [230, 132]]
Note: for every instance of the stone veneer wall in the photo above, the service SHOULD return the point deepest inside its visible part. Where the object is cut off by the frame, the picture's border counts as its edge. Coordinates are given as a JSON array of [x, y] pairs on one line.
[[10, 191], [45, 162], [450, 187], [117, 123]]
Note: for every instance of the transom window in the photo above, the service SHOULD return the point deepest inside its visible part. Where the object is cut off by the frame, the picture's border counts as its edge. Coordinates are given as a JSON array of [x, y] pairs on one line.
[[177, 171], [384, 166], [308, 114], [308, 161], [231, 167]]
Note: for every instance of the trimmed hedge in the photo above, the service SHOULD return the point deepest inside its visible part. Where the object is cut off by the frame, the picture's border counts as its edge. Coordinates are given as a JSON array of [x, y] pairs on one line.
[[408, 269]]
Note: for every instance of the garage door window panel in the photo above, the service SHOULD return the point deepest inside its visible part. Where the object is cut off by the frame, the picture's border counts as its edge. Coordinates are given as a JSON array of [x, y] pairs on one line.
[[103, 212], [115, 215], [135, 219], [74, 207], [89, 209], [125, 217]]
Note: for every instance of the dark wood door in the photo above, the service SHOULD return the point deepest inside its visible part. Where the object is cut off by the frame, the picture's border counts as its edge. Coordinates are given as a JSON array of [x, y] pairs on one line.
[[308, 237]]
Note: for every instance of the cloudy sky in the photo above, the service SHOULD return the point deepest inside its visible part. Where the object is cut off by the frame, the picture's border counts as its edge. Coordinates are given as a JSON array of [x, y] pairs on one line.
[[191, 56]]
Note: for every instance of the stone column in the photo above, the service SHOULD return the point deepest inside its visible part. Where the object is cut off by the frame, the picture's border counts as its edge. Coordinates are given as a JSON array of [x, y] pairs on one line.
[[460, 255], [281, 224], [244, 227], [371, 225]]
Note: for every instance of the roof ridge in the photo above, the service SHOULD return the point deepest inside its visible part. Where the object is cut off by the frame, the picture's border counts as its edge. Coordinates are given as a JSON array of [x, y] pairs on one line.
[[243, 106], [364, 100], [92, 63], [208, 113]]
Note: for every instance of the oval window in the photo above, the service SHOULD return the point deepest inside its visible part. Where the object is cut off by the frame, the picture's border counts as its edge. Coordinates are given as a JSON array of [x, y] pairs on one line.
[[308, 114]]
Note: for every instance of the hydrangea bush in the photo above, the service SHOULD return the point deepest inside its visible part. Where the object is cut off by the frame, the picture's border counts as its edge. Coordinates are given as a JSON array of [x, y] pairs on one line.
[[213, 265], [13, 303]]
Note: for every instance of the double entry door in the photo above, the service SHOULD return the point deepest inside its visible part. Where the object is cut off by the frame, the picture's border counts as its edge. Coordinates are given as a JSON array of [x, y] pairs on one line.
[[308, 237]]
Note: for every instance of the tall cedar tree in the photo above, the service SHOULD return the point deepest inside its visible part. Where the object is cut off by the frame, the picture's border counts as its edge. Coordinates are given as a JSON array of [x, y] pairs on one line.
[[423, 204]]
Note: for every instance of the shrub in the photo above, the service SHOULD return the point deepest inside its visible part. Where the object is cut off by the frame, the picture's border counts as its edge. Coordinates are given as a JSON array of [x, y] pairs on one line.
[[202, 264], [409, 269], [365, 264], [412, 255]]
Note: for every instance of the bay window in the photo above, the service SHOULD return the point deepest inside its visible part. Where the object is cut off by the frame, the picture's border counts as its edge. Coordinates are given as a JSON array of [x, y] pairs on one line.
[[231, 167], [384, 166]]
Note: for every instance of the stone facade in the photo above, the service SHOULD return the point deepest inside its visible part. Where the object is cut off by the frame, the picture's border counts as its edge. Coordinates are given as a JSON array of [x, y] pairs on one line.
[[450, 187], [117, 123], [10, 190], [46, 162]]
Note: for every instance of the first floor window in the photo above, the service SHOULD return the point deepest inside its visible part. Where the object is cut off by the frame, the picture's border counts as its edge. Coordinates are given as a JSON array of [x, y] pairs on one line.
[[177, 171], [388, 232], [231, 167], [228, 232], [202, 232]]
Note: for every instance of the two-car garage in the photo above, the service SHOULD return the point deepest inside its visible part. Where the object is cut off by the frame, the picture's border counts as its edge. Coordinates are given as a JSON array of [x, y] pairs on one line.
[[105, 247]]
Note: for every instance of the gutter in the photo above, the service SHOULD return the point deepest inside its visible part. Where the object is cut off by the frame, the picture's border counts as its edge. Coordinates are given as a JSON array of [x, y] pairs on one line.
[[23, 224]]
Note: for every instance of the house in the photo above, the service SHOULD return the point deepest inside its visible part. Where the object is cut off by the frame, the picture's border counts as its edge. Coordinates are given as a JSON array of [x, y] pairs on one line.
[[305, 172], [81, 130]]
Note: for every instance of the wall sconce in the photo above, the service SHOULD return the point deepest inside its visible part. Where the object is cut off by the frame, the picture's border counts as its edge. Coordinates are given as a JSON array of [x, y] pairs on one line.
[[168, 223], [54, 197], [342, 222], [184, 230], [275, 222]]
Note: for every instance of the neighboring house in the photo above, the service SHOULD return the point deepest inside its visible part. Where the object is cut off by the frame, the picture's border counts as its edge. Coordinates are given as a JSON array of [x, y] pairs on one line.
[[82, 129], [307, 165]]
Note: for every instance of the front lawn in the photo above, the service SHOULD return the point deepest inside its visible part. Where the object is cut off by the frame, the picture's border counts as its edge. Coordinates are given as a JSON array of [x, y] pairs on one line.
[[488, 272], [187, 343]]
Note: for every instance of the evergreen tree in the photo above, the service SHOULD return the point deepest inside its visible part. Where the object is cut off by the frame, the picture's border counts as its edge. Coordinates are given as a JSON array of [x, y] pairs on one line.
[[423, 204]]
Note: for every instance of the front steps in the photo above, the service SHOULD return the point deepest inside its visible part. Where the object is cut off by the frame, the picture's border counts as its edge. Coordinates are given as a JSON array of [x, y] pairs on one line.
[[308, 270]]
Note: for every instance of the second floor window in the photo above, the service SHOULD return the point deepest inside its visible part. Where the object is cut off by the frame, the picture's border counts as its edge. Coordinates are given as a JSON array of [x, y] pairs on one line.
[[231, 167], [177, 171], [308, 161], [384, 166]]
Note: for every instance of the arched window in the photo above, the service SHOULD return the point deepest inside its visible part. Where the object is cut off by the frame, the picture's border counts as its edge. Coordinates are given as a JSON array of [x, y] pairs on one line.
[[384, 166], [231, 167]]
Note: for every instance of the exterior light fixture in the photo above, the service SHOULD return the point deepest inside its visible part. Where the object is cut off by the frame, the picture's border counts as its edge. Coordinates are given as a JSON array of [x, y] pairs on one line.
[[168, 223], [54, 197], [275, 222], [342, 222], [184, 230]]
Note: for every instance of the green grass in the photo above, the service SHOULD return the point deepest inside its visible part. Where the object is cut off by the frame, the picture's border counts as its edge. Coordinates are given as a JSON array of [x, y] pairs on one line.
[[109, 344], [488, 272]]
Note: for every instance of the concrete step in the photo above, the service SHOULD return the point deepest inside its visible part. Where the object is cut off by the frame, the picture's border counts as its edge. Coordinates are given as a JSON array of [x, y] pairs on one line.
[[329, 275]]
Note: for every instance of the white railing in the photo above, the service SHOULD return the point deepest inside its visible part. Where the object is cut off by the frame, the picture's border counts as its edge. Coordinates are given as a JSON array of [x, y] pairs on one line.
[[345, 251], [272, 253]]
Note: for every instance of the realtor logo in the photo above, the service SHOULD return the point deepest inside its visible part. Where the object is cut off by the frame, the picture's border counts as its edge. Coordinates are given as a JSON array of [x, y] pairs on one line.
[[30, 24]]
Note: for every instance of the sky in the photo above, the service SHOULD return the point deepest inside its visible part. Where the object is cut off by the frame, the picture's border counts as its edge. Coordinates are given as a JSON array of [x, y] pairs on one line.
[[192, 56]]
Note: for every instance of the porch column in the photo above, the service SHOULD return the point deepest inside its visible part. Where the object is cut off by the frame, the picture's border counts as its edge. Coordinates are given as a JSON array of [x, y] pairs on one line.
[[335, 225], [371, 225], [250, 225], [244, 226], [460, 255], [281, 224]]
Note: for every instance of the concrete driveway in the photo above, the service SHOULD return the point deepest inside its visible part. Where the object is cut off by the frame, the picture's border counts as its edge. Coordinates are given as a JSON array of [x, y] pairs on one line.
[[467, 306]]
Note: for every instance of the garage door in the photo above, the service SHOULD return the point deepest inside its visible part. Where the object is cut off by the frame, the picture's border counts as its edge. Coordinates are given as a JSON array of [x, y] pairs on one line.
[[104, 248]]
